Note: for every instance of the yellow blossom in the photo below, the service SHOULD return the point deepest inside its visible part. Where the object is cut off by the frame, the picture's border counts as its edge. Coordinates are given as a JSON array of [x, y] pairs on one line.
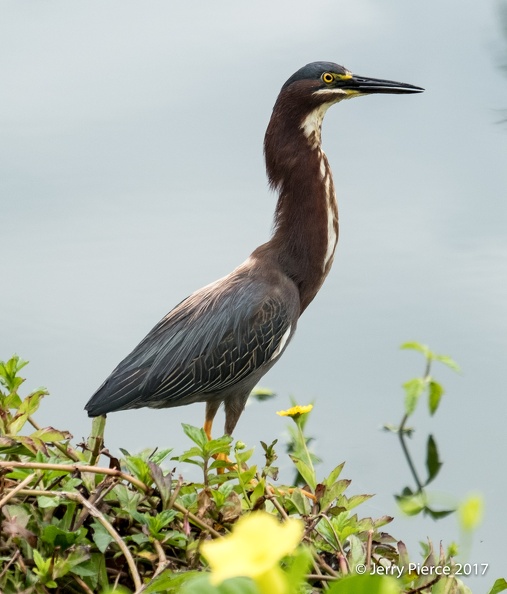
[[254, 548], [296, 411]]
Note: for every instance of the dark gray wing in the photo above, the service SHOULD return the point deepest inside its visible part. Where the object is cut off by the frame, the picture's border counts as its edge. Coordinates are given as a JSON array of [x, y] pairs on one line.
[[214, 339]]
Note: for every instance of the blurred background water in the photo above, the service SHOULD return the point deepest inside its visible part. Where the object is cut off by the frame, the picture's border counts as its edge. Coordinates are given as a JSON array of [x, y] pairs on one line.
[[132, 174]]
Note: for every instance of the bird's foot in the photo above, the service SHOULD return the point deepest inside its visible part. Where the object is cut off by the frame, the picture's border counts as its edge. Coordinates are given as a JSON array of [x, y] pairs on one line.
[[291, 490], [230, 465]]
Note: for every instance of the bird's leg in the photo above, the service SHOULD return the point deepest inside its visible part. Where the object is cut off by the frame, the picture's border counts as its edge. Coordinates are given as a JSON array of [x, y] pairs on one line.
[[233, 408], [232, 414], [211, 410]]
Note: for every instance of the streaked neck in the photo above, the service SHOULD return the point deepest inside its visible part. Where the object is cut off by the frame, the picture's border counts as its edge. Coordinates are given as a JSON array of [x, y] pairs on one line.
[[306, 217]]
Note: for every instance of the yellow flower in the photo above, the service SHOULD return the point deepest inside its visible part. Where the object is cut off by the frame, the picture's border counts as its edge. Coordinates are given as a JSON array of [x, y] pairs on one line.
[[296, 411], [470, 512], [254, 548]]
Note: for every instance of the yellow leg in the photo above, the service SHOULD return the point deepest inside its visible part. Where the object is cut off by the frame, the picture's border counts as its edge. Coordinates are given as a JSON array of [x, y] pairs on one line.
[[211, 409], [208, 424]]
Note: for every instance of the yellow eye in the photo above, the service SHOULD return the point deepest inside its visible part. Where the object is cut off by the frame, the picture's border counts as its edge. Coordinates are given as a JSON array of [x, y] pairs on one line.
[[327, 77]]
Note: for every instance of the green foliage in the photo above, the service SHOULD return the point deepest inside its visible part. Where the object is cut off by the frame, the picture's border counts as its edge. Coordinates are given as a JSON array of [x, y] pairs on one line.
[[262, 394], [298, 446], [17, 411], [415, 388], [410, 501], [499, 586], [367, 584], [72, 525]]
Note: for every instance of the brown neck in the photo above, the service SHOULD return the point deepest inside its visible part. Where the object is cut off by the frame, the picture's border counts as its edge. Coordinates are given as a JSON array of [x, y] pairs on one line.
[[306, 217]]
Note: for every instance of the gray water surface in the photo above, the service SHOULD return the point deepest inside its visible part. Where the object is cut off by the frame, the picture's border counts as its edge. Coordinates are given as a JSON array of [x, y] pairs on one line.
[[132, 174]]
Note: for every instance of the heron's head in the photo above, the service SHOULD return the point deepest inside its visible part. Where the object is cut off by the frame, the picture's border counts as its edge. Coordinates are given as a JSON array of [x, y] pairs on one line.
[[326, 82], [309, 92]]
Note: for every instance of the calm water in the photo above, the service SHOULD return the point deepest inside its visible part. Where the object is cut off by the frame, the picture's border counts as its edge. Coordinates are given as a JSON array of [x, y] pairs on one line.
[[123, 191]]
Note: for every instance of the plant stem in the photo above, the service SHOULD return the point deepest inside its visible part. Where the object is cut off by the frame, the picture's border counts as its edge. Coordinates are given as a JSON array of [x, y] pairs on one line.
[[401, 434], [406, 453]]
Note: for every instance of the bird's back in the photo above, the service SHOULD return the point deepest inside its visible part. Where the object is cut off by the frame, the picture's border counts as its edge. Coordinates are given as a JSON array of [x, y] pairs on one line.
[[223, 337]]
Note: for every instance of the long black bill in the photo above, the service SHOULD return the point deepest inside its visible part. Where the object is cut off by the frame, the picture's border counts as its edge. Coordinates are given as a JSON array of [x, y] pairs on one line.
[[365, 85]]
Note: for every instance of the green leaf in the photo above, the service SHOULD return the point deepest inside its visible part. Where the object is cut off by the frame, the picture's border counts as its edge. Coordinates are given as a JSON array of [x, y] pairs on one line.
[[438, 514], [75, 558], [300, 502], [101, 536], [159, 456], [128, 499], [433, 463], [193, 452], [403, 559], [499, 586], [84, 570], [17, 423], [325, 529], [297, 566], [356, 500], [382, 521], [413, 390], [139, 468], [98, 580], [246, 476], [196, 434], [31, 403], [262, 394], [446, 360], [32, 445], [411, 504], [63, 539], [139, 538], [202, 585], [258, 491], [436, 392], [445, 585], [48, 502], [225, 490], [48, 434], [9, 372], [162, 482], [357, 554], [333, 475], [43, 565], [220, 445], [219, 464], [8, 445], [417, 346], [242, 456], [22, 514], [334, 491], [160, 521], [365, 584], [11, 400], [307, 472], [170, 582]]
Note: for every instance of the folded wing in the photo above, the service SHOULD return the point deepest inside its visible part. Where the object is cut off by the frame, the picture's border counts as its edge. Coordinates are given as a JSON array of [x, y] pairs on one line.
[[212, 340]]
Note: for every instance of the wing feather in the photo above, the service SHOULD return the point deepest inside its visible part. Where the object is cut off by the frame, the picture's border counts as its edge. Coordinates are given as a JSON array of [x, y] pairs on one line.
[[214, 339]]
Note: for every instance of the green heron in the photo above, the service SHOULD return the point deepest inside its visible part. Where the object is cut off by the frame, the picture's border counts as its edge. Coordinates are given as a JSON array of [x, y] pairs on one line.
[[216, 344]]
